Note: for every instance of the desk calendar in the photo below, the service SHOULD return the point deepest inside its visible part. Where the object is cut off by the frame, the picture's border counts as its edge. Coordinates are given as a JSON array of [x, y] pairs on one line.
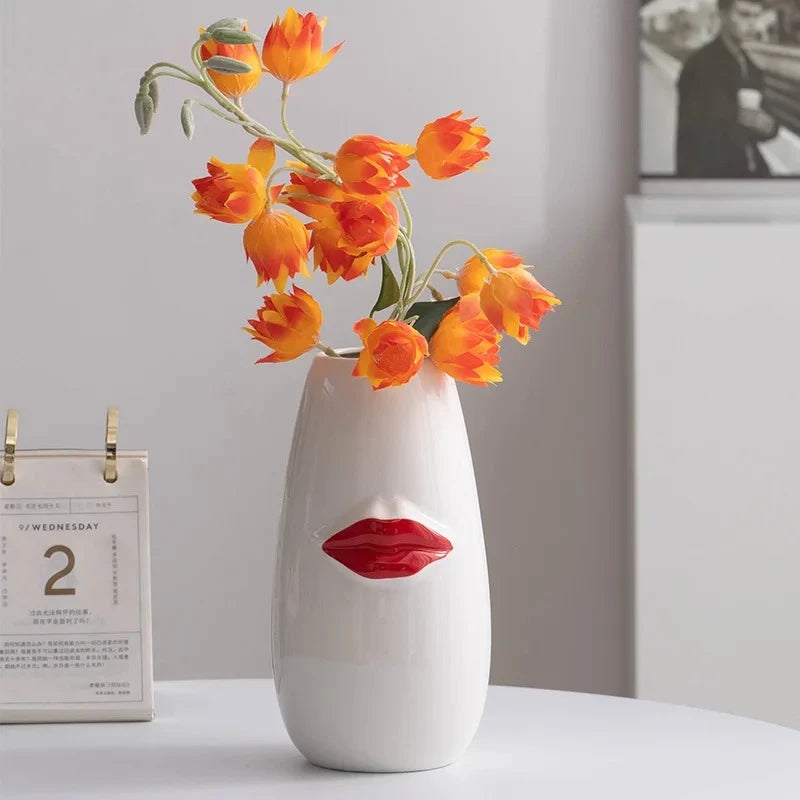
[[75, 620]]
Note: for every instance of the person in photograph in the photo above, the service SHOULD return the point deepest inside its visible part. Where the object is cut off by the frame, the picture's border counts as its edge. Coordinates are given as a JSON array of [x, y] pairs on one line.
[[720, 116]]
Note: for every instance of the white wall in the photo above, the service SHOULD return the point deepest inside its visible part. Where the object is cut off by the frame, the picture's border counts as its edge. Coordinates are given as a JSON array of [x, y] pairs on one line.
[[716, 441], [113, 292]]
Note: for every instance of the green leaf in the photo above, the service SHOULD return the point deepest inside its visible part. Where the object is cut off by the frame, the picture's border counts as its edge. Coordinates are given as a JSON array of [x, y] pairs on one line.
[[390, 291], [233, 36], [429, 315], [230, 66]]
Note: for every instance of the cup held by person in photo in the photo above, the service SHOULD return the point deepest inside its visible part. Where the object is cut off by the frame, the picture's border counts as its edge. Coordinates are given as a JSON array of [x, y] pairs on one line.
[[750, 99], [753, 117]]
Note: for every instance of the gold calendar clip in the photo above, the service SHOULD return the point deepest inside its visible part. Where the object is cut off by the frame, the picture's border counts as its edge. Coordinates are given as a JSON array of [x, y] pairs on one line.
[[10, 446], [112, 429], [12, 420]]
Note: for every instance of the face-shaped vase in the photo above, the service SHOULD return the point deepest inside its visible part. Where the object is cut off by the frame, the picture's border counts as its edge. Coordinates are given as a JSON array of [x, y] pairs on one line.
[[380, 624]]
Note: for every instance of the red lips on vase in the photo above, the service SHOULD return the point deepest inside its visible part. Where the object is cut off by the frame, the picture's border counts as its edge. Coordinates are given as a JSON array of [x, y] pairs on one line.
[[386, 548]]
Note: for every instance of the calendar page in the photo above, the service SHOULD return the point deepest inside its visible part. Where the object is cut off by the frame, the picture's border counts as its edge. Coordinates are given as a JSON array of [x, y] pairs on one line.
[[75, 622]]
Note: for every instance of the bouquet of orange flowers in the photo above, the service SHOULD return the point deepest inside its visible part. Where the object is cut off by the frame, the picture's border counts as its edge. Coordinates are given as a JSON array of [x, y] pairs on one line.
[[352, 199]]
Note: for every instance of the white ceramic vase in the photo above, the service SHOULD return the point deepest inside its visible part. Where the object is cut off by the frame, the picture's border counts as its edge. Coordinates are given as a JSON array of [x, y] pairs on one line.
[[380, 625]]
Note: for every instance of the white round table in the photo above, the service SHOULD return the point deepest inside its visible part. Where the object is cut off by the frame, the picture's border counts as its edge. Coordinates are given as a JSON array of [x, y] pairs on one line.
[[223, 740]]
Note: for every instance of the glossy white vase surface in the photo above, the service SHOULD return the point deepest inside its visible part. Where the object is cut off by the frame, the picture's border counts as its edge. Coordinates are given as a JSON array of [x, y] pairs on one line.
[[380, 624]]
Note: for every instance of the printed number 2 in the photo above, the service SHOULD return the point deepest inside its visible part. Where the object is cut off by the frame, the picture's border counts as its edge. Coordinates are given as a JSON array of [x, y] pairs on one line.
[[49, 587]]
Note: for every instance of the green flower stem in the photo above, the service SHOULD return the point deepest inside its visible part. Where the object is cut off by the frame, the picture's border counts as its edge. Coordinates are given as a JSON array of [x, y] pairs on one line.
[[309, 174], [443, 272], [432, 270], [322, 153], [216, 111], [410, 276], [329, 351], [291, 134], [151, 76], [170, 65], [279, 170], [402, 258], [284, 122], [407, 212]]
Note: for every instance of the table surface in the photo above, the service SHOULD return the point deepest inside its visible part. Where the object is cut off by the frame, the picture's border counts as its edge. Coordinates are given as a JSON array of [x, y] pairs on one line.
[[225, 739]]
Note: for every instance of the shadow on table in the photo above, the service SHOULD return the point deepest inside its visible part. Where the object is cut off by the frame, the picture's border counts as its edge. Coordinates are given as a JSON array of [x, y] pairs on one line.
[[129, 769]]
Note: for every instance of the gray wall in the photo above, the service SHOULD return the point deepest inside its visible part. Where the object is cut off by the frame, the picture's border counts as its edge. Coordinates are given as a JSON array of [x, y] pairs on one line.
[[113, 292]]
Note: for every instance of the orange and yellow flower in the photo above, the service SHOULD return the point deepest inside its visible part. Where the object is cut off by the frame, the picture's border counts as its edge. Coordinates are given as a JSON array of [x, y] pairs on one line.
[[233, 85], [335, 262], [474, 274], [514, 301], [338, 250], [231, 192], [293, 47], [363, 227], [369, 165], [466, 345], [287, 323], [449, 146], [393, 352], [277, 243]]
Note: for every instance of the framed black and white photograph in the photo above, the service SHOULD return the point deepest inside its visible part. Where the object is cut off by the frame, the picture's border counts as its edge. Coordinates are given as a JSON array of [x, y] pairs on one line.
[[720, 89]]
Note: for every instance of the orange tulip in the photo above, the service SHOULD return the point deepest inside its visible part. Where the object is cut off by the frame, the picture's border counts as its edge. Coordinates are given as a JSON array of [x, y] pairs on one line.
[[363, 227], [288, 323], [334, 261], [293, 47], [514, 301], [348, 231], [466, 345], [449, 146], [231, 193], [475, 273], [393, 352], [368, 165], [233, 85], [277, 243]]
